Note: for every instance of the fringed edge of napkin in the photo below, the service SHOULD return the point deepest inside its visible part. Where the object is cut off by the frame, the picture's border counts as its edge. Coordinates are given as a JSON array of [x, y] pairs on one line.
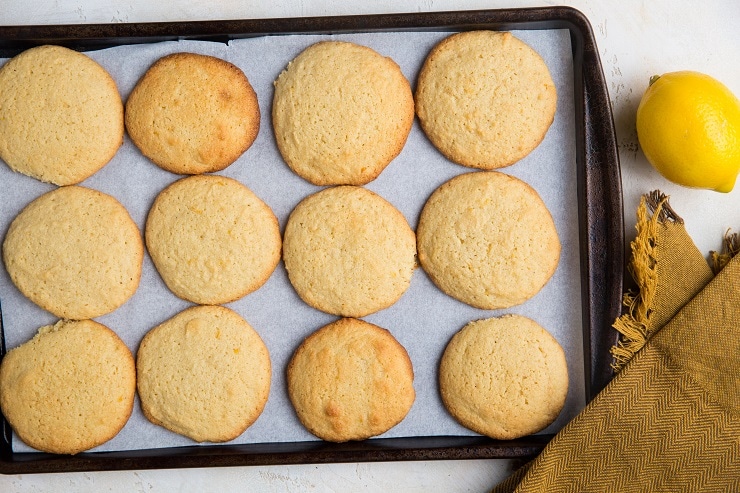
[[633, 325], [730, 248]]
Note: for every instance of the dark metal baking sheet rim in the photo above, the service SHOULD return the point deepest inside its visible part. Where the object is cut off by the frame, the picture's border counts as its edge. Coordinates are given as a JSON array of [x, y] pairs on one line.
[[600, 225]]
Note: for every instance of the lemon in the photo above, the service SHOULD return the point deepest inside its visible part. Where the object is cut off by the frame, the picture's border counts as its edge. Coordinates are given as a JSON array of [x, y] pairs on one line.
[[688, 125]]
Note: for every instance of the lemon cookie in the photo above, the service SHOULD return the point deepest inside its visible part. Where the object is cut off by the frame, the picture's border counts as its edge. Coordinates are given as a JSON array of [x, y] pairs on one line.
[[503, 377], [193, 113], [70, 388], [211, 239], [350, 380], [75, 252], [348, 251], [485, 99], [341, 113], [488, 239], [204, 373], [61, 116]]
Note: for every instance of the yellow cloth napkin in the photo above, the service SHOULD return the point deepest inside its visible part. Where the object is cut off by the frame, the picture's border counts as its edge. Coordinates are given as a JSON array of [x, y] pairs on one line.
[[668, 270], [670, 419]]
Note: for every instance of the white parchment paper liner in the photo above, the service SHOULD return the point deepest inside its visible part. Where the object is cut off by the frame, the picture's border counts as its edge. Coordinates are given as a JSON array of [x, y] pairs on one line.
[[423, 320]]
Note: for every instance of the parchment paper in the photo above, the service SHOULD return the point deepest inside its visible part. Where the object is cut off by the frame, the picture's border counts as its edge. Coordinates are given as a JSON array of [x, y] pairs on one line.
[[423, 320]]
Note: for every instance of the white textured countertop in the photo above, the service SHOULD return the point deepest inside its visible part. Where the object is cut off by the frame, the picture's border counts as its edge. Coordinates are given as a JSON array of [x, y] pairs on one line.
[[636, 39]]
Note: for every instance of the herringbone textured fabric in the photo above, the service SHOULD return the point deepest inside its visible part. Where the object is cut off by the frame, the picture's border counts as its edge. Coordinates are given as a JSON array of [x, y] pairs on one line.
[[662, 433], [669, 421], [668, 270]]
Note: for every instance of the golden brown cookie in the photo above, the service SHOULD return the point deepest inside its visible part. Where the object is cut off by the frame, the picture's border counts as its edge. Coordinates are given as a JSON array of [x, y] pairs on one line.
[[504, 377], [341, 113], [204, 373], [485, 99], [192, 113], [350, 380], [61, 117], [487, 239], [348, 251], [75, 252], [70, 388], [211, 239]]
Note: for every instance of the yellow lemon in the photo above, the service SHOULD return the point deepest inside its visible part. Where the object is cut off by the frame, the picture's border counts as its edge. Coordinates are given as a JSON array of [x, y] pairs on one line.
[[688, 125]]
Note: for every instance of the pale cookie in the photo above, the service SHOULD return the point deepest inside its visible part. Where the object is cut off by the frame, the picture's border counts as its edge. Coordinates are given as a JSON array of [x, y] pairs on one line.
[[193, 114], [504, 377], [350, 380], [485, 99], [211, 239], [487, 239], [75, 252], [341, 113], [348, 251], [204, 373], [61, 116], [70, 388]]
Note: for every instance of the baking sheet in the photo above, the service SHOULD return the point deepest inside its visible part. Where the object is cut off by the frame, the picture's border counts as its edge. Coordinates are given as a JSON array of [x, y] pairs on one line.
[[423, 320]]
